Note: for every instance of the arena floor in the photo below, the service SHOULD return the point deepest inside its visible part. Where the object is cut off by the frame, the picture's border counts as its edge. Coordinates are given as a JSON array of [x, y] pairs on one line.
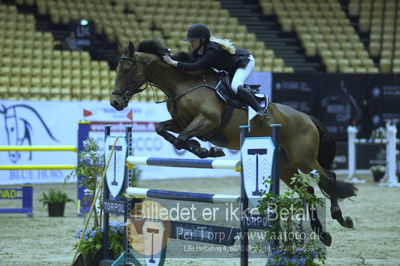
[[49, 241]]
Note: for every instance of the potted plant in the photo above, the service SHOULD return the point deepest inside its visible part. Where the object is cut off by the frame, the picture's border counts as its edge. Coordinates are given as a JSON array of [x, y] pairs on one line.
[[89, 168], [91, 245], [55, 201], [378, 171], [285, 227], [378, 133]]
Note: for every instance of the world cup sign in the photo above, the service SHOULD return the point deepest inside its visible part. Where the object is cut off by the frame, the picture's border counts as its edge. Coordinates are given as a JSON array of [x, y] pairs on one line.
[[257, 159], [116, 169]]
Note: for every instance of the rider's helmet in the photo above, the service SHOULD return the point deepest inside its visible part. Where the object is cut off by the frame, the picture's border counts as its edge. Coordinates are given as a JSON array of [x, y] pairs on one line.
[[197, 31]]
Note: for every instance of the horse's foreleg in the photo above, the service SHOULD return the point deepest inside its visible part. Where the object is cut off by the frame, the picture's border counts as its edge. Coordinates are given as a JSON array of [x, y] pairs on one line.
[[162, 129], [200, 126]]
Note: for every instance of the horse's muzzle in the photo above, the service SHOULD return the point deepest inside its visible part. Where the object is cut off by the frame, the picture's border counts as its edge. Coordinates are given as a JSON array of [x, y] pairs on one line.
[[116, 105]]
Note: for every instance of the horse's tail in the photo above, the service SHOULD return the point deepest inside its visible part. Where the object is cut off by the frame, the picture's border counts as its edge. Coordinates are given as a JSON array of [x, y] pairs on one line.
[[326, 154], [327, 145]]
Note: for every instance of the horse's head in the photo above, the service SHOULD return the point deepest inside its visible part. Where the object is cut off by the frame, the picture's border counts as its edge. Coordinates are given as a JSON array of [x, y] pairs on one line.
[[130, 70], [128, 80]]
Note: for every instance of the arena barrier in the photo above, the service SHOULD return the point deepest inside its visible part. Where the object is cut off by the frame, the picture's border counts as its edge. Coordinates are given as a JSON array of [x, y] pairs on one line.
[[12, 194], [390, 142], [251, 185], [83, 134]]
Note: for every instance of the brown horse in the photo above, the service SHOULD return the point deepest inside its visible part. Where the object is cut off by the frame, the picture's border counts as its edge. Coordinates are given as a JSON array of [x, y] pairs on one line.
[[197, 111]]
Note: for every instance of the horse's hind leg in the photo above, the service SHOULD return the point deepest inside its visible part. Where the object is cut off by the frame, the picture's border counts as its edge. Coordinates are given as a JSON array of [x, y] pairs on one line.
[[286, 173], [336, 212], [332, 188]]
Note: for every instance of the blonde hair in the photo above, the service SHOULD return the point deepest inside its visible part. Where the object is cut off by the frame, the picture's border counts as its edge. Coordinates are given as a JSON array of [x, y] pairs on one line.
[[226, 44]]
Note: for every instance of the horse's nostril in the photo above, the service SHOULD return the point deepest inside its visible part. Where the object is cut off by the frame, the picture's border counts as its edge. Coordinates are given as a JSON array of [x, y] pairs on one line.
[[114, 103]]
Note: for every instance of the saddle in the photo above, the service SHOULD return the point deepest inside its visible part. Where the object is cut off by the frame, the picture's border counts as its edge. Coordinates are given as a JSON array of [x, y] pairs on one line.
[[224, 92]]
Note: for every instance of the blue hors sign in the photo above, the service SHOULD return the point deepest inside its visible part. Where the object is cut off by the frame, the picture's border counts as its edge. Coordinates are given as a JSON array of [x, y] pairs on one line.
[[257, 159], [116, 169]]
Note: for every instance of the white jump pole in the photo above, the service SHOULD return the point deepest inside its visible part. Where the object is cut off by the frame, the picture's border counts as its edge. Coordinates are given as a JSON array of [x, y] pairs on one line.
[[390, 142], [390, 174], [351, 150]]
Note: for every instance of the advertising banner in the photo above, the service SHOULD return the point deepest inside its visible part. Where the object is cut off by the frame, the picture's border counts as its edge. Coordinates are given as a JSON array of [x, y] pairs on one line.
[[383, 100], [42, 123], [340, 104], [297, 91]]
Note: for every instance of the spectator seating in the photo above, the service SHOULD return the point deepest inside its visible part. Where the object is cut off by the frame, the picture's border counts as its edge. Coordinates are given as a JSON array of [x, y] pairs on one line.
[[324, 30], [379, 19], [136, 20], [32, 69]]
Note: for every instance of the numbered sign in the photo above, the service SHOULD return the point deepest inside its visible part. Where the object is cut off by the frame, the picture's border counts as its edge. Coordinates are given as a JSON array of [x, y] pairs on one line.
[[257, 157], [116, 169]]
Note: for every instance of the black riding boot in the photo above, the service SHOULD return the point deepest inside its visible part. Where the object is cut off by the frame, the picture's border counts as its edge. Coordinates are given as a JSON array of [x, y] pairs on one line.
[[249, 99]]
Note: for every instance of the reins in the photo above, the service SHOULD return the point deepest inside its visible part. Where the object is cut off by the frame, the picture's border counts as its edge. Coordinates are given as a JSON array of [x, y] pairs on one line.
[[127, 94], [205, 85], [174, 101]]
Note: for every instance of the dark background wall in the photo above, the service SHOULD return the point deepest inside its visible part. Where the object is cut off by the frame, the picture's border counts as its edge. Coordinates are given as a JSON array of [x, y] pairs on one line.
[[339, 100]]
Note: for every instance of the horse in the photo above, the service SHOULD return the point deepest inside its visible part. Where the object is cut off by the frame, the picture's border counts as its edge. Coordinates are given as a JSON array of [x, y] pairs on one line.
[[196, 111]]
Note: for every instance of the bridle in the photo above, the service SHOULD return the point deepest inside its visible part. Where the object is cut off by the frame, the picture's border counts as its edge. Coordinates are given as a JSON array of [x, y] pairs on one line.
[[127, 93]]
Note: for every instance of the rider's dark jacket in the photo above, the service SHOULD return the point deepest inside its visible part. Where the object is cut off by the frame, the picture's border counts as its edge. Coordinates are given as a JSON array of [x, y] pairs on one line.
[[215, 56]]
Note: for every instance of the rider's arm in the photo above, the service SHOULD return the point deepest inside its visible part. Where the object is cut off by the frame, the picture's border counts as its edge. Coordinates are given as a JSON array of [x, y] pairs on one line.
[[203, 62]]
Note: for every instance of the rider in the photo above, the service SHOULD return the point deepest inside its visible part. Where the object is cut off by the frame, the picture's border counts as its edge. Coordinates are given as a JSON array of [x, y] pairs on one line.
[[220, 54]]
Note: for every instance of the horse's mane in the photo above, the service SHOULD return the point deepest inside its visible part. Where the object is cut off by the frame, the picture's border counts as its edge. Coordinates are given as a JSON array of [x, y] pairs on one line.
[[153, 46], [156, 47]]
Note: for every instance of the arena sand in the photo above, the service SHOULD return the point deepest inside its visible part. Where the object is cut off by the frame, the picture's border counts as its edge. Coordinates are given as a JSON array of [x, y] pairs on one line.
[[49, 241]]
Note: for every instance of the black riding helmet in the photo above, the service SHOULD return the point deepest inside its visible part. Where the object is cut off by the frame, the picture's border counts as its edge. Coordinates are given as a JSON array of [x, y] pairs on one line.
[[197, 31]]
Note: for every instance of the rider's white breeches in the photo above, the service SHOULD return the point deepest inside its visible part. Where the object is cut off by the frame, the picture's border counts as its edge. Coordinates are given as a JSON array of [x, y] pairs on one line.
[[242, 74]]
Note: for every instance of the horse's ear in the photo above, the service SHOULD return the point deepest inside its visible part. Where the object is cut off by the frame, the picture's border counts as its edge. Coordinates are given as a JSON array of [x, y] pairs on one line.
[[120, 49], [131, 49]]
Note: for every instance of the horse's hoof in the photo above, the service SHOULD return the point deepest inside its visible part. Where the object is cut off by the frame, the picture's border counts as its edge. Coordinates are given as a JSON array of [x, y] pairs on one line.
[[178, 144], [202, 153], [216, 152], [348, 222], [194, 143], [326, 238]]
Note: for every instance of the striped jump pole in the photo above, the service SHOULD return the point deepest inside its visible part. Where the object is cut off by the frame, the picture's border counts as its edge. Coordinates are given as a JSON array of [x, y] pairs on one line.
[[38, 148], [255, 158], [187, 163], [83, 134], [37, 167], [182, 196]]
